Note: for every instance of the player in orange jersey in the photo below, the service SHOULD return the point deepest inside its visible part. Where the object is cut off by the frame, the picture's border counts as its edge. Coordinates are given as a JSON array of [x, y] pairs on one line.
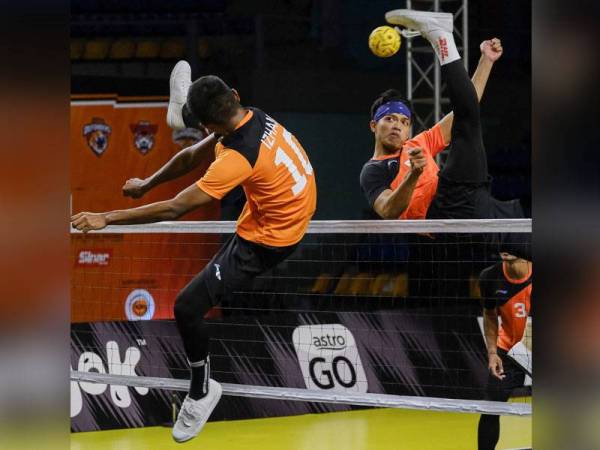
[[251, 150], [402, 180], [506, 292]]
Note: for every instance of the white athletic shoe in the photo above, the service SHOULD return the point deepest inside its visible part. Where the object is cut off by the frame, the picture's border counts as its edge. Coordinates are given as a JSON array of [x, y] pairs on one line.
[[194, 413], [423, 21], [179, 85]]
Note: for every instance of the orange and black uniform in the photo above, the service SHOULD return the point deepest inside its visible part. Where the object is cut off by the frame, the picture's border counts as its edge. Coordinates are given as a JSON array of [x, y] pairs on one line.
[[387, 172], [461, 189], [278, 180], [512, 299], [276, 175]]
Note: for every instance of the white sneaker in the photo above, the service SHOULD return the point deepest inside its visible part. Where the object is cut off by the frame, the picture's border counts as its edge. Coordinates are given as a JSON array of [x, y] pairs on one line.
[[179, 85], [194, 413], [422, 21]]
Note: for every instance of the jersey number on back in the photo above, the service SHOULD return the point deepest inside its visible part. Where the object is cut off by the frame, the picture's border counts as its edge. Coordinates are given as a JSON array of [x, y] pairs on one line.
[[281, 157], [520, 310]]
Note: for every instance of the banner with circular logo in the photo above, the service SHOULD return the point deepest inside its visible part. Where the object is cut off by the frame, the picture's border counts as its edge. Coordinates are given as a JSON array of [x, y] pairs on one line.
[[139, 305]]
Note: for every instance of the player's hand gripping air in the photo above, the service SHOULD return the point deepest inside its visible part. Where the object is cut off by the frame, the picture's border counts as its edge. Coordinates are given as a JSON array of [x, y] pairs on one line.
[[495, 366], [87, 221]]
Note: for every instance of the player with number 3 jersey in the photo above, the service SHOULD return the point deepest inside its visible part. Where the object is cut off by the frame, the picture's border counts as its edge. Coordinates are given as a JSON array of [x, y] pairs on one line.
[[251, 150]]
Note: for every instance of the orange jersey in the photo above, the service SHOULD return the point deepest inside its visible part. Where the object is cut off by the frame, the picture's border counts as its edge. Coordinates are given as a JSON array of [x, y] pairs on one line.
[[387, 172], [512, 298], [276, 175]]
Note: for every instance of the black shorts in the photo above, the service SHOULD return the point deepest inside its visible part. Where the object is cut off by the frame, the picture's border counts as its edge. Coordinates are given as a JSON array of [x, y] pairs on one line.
[[455, 200], [500, 390], [236, 264]]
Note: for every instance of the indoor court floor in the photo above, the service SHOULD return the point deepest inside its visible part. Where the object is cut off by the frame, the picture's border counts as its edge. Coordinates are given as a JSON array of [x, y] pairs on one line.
[[370, 429]]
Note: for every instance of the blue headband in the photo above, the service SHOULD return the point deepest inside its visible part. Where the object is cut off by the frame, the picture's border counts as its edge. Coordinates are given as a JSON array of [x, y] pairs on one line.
[[391, 108]]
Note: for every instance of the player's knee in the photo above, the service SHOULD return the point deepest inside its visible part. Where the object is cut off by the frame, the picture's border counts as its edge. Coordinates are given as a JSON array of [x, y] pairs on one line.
[[472, 110], [183, 307], [192, 302]]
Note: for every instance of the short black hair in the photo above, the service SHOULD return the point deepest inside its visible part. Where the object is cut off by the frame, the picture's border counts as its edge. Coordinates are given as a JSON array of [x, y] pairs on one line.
[[211, 101], [516, 244], [387, 96]]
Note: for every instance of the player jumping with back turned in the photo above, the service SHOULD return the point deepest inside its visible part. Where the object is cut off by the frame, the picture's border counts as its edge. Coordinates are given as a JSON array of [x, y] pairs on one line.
[[256, 152]]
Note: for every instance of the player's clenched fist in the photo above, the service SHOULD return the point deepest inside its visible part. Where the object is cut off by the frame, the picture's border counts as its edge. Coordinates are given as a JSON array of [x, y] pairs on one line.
[[492, 49], [134, 188], [417, 159]]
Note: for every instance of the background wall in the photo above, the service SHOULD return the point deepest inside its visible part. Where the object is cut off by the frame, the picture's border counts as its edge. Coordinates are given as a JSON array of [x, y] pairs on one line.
[[308, 65]]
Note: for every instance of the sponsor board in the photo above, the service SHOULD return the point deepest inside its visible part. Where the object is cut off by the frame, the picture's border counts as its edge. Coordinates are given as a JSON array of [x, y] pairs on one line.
[[93, 257], [112, 364], [329, 358]]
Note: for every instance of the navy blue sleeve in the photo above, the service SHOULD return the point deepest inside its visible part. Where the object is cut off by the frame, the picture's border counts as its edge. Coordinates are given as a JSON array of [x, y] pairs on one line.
[[486, 287], [373, 182]]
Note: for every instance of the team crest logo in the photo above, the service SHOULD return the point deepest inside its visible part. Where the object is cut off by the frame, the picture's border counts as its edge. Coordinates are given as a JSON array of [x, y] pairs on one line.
[[143, 135], [97, 134], [139, 305]]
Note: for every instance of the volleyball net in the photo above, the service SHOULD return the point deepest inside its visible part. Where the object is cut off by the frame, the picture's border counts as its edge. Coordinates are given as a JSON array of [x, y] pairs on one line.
[[364, 313]]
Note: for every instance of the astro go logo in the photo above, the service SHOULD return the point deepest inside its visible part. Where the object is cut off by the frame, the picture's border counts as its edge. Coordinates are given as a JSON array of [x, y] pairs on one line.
[[92, 362], [329, 358]]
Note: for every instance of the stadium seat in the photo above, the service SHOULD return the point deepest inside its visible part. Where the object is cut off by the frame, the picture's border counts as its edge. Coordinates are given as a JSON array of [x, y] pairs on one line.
[[96, 49], [147, 49], [361, 284], [322, 284], [77, 48], [122, 49], [343, 285], [474, 290], [400, 285], [380, 283], [172, 49]]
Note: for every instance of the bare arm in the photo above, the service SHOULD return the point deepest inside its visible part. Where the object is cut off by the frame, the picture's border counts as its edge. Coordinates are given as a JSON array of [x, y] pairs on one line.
[[180, 164], [491, 50], [188, 199], [391, 203], [490, 331]]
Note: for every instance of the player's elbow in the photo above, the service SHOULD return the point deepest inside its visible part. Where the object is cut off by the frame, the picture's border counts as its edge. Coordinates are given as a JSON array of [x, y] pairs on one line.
[[391, 212], [387, 215], [389, 207], [174, 210]]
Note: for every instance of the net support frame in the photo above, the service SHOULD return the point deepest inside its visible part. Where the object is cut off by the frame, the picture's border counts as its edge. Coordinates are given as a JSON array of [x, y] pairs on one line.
[[308, 395]]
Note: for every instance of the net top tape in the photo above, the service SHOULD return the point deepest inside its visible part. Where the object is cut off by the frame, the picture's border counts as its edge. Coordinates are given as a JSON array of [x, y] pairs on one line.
[[339, 227]]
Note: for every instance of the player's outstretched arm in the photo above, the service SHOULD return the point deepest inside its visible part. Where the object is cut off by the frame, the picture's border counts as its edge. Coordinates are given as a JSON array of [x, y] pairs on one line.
[[187, 200], [490, 330], [182, 163], [491, 51]]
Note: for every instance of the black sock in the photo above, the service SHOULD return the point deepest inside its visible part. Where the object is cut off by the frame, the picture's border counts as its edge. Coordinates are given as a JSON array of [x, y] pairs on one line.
[[200, 374]]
